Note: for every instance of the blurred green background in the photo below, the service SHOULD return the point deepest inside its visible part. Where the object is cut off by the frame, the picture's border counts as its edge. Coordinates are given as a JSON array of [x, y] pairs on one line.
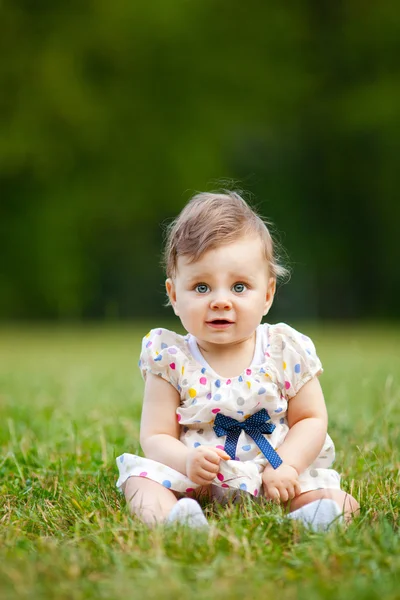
[[114, 113]]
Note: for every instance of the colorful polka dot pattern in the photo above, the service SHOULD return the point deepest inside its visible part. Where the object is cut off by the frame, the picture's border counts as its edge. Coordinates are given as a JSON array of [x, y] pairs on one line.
[[288, 362]]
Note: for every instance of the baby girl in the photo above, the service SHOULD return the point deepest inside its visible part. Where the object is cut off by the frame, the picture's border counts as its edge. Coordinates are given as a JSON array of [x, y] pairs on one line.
[[234, 406]]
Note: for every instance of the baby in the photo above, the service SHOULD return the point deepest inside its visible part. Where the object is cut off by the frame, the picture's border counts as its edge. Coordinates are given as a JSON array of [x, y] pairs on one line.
[[234, 406]]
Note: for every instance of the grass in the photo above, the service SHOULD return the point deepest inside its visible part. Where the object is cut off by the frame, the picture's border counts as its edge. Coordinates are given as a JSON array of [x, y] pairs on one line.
[[70, 402]]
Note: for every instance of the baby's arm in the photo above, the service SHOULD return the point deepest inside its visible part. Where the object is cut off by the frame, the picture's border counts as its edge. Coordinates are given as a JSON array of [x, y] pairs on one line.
[[308, 421], [160, 432]]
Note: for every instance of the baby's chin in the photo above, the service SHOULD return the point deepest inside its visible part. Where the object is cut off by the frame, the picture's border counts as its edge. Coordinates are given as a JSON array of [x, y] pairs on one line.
[[224, 340]]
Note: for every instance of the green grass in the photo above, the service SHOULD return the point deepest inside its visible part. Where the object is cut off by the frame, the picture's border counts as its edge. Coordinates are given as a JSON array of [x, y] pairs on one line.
[[70, 402]]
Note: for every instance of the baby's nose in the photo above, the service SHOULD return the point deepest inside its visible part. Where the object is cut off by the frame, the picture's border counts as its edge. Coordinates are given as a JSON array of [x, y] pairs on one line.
[[221, 301]]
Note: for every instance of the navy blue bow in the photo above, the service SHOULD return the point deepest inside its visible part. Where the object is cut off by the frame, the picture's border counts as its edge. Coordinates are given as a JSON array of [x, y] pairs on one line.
[[254, 426]]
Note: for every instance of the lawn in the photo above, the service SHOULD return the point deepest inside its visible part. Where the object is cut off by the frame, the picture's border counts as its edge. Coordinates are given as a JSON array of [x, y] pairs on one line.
[[70, 401]]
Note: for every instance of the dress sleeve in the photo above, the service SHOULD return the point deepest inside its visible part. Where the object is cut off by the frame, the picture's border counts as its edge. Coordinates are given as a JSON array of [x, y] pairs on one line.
[[162, 356], [295, 356]]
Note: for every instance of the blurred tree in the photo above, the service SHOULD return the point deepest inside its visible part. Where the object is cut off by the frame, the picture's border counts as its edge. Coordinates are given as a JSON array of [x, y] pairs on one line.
[[112, 114]]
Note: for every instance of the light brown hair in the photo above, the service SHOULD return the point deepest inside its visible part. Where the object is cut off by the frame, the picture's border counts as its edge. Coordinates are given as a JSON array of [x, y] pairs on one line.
[[210, 220]]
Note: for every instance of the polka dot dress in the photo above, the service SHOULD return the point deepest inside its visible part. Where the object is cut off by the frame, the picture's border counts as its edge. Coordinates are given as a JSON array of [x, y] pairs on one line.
[[284, 361]]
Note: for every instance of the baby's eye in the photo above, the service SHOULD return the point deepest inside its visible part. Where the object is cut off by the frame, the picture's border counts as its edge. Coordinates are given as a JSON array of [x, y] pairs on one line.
[[238, 288], [202, 288]]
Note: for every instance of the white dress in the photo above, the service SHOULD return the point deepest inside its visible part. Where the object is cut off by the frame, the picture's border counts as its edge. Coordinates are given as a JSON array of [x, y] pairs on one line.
[[284, 360]]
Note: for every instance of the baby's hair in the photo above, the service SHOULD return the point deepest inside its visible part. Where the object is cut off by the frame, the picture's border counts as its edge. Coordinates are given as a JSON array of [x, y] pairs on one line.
[[210, 220]]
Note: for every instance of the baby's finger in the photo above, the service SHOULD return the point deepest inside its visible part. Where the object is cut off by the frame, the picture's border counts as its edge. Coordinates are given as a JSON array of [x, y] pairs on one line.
[[212, 456], [206, 475], [291, 492], [284, 495], [272, 493], [224, 455], [297, 488], [210, 466]]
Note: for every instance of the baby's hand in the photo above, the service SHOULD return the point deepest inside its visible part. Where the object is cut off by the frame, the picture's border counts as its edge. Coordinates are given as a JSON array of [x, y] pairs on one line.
[[281, 484], [202, 464]]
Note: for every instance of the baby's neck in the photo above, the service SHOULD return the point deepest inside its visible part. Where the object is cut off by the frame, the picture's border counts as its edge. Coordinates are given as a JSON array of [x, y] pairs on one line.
[[229, 360]]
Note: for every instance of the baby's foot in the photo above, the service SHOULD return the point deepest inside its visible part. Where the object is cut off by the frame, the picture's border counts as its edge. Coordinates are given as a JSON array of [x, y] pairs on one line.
[[318, 515], [188, 512]]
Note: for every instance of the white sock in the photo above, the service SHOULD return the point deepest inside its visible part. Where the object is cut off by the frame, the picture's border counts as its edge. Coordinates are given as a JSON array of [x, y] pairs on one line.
[[318, 515], [188, 512]]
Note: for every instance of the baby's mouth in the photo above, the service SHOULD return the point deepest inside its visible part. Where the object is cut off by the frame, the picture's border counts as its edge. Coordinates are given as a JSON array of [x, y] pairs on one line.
[[220, 323]]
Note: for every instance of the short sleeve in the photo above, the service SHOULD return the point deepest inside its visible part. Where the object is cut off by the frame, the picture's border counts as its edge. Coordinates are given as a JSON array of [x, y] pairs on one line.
[[162, 355], [295, 356]]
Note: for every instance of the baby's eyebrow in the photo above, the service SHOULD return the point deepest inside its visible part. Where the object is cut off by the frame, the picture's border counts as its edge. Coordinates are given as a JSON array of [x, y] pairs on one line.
[[234, 277], [197, 280], [238, 276], [197, 277]]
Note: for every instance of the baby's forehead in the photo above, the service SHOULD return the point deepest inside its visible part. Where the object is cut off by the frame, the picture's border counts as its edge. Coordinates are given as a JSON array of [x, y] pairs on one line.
[[243, 255]]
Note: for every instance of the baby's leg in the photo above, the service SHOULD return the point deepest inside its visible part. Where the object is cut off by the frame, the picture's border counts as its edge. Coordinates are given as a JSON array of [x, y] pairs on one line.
[[153, 503], [148, 500], [347, 504]]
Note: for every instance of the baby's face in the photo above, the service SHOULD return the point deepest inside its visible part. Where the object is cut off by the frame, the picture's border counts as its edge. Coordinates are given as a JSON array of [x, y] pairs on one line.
[[222, 297]]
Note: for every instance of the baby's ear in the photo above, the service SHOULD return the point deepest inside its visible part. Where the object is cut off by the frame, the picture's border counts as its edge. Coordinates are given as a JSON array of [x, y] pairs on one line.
[[269, 298], [171, 291]]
